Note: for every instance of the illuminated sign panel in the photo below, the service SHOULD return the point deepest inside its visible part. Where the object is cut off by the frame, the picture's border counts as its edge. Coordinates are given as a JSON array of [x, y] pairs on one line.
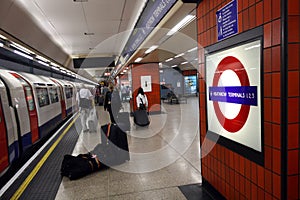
[[234, 94]]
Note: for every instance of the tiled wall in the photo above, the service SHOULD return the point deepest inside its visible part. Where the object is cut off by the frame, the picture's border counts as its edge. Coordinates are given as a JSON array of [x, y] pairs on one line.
[[234, 176], [149, 69]]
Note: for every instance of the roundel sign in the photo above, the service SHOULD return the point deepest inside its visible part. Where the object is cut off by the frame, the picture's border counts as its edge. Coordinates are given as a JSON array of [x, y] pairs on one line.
[[233, 79]]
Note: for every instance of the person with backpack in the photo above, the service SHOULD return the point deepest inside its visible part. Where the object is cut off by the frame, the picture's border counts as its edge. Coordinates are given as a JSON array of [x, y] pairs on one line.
[[112, 103], [141, 100]]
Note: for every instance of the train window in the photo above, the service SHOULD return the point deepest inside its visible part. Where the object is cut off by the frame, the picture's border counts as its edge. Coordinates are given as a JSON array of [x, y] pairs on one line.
[[42, 95], [53, 95], [29, 98], [69, 92]]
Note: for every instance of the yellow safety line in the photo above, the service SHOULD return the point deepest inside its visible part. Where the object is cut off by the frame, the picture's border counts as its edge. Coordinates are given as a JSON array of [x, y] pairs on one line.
[[24, 185]]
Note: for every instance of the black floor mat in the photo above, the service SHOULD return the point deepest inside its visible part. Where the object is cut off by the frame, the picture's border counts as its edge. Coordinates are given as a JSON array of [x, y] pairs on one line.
[[195, 192]]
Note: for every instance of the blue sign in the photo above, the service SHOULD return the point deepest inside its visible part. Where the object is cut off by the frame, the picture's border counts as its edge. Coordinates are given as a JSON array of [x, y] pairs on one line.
[[245, 95], [227, 20]]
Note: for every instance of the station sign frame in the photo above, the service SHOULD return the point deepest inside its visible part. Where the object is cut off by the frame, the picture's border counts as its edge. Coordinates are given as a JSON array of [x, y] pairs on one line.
[[238, 58]]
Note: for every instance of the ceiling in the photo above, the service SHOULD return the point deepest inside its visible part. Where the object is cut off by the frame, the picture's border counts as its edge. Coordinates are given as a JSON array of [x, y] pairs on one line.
[[101, 28]]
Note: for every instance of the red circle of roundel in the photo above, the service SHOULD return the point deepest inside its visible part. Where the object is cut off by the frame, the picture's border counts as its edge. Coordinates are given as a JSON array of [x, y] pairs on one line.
[[232, 63]]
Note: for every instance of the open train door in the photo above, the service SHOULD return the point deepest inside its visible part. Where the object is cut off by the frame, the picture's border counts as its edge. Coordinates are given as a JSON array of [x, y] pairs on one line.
[[3, 141], [28, 91], [62, 99]]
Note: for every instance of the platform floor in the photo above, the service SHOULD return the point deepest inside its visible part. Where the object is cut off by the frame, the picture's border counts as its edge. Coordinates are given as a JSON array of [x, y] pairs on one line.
[[163, 156]]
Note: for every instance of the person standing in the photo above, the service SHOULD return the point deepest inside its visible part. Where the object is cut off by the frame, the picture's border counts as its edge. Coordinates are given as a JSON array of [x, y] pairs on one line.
[[112, 103], [141, 100], [84, 97]]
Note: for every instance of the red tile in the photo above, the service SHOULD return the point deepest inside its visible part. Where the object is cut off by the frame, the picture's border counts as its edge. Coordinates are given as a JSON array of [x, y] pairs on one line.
[[276, 85], [293, 56], [261, 177], [248, 189], [267, 10], [240, 22], [247, 169], [276, 186], [242, 166], [276, 111], [293, 162], [259, 13], [260, 194], [242, 184], [293, 83], [294, 7], [251, 2], [267, 35], [268, 133], [246, 23], [254, 172], [254, 191], [268, 181], [293, 31], [268, 109], [276, 30], [293, 136], [267, 85], [276, 9], [276, 140], [267, 60], [293, 187], [268, 196], [245, 4], [252, 18], [293, 105], [276, 161], [276, 59], [268, 158]]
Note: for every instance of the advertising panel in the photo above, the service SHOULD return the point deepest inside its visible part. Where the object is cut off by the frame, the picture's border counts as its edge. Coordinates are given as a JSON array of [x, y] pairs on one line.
[[234, 94]]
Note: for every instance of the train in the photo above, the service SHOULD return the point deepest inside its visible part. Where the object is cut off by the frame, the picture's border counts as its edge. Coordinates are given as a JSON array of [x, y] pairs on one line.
[[31, 107]]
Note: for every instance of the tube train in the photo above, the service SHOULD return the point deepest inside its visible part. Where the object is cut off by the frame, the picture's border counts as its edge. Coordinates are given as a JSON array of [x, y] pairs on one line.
[[31, 107]]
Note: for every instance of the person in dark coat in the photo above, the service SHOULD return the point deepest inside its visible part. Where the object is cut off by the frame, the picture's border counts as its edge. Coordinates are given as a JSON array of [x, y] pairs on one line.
[[112, 103]]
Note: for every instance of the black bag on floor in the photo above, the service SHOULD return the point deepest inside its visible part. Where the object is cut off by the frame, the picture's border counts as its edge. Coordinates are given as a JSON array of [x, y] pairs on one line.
[[141, 118], [114, 147], [123, 121], [75, 167]]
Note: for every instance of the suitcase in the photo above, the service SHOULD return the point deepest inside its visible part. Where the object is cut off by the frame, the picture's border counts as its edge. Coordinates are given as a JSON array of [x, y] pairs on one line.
[[141, 118], [122, 120], [113, 149], [92, 120]]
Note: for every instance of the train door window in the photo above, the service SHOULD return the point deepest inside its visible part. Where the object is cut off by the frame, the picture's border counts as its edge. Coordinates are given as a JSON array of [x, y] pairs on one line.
[[43, 97], [53, 94], [69, 92]]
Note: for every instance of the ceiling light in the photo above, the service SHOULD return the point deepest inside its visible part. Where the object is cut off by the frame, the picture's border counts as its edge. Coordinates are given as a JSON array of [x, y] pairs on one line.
[[138, 59], [181, 54], [89, 33], [193, 49], [184, 63], [43, 63], [1, 44], [168, 60], [174, 66], [20, 47], [181, 24], [152, 48], [42, 58], [23, 54], [3, 37]]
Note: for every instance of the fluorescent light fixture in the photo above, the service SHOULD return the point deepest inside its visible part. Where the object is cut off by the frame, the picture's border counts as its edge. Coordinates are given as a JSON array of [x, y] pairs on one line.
[[184, 63], [23, 54], [1, 44], [42, 58], [152, 48], [181, 24], [174, 66], [138, 59], [125, 70], [3, 37], [55, 68], [19, 47], [161, 71], [168, 60], [181, 54], [193, 49], [43, 63]]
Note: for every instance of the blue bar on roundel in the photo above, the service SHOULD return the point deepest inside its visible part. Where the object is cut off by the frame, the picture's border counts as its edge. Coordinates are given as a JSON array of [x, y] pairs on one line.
[[245, 95]]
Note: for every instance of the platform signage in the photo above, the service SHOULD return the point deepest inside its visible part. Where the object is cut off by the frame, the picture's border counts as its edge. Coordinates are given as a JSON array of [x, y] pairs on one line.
[[227, 20], [233, 94]]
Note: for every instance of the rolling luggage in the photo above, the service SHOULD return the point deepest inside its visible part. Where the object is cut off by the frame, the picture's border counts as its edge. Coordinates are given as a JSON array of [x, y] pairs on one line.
[[141, 118], [122, 120], [75, 167], [113, 149], [92, 120]]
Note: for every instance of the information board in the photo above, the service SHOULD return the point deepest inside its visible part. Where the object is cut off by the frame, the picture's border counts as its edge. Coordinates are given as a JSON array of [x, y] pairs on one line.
[[227, 20], [234, 94]]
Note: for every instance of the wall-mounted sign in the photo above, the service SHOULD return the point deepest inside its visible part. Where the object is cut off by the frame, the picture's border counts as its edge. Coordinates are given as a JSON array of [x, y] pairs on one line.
[[227, 20], [146, 83], [233, 94]]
